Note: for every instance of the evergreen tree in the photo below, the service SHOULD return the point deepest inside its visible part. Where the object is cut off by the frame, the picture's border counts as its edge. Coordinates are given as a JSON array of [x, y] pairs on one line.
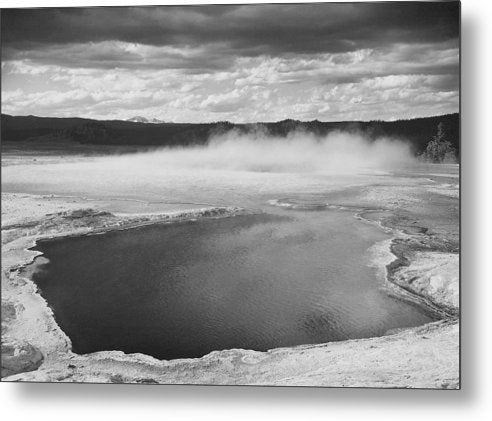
[[439, 149]]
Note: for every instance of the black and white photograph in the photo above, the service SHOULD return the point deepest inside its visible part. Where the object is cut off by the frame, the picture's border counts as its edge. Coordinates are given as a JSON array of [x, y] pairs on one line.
[[232, 194]]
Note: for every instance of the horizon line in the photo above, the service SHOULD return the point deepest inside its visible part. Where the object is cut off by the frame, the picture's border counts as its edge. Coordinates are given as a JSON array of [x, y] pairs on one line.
[[235, 123]]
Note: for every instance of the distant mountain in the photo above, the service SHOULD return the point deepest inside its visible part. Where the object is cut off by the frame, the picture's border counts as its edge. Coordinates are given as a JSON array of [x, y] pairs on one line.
[[140, 119], [418, 132]]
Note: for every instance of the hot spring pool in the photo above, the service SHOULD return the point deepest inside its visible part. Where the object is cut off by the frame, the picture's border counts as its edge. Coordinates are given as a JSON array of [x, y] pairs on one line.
[[182, 290]]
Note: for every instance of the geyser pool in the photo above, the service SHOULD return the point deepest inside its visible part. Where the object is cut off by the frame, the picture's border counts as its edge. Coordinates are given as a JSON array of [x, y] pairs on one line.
[[252, 281]]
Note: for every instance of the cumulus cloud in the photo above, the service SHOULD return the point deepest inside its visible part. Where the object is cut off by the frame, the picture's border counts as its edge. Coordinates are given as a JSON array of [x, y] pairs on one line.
[[242, 63]]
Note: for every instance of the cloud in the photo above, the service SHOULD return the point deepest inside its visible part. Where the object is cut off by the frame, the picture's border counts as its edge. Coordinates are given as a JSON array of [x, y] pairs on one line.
[[248, 30], [328, 61], [225, 102]]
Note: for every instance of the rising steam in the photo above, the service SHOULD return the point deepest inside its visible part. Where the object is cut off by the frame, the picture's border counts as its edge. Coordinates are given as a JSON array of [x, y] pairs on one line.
[[232, 169], [298, 152]]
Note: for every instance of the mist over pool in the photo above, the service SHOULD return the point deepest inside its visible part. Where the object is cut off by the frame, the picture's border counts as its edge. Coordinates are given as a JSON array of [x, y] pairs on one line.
[[233, 169]]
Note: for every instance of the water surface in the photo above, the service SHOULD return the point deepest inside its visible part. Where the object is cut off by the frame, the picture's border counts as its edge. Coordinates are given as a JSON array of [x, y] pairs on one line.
[[254, 281]]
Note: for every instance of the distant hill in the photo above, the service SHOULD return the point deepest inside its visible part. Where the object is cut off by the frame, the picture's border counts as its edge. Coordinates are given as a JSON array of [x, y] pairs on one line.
[[140, 119], [418, 131]]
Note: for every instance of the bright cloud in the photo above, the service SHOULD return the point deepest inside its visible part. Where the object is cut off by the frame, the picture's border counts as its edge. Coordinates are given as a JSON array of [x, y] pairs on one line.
[[328, 62]]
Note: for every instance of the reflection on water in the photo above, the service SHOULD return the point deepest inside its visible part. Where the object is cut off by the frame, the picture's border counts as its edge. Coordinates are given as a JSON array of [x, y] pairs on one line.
[[257, 282]]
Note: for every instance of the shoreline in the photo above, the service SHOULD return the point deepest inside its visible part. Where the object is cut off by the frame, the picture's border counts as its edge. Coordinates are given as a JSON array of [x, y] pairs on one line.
[[25, 255], [50, 355], [398, 250]]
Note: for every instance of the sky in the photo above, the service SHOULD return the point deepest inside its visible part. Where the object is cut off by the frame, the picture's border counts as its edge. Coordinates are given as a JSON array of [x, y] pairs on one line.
[[241, 63]]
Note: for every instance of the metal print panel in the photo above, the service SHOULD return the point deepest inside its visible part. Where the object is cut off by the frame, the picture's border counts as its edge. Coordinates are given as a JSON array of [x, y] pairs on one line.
[[261, 194]]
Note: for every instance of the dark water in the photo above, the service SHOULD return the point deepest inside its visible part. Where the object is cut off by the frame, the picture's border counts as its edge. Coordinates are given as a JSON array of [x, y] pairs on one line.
[[183, 290]]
